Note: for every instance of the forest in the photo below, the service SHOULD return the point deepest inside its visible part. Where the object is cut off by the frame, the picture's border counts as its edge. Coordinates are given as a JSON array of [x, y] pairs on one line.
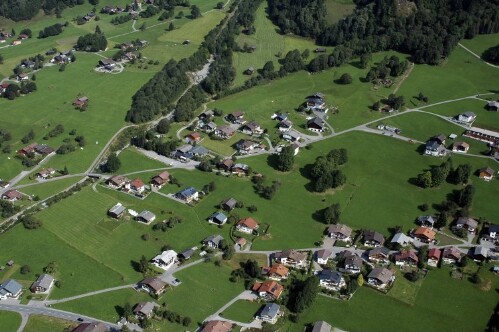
[[25, 10]]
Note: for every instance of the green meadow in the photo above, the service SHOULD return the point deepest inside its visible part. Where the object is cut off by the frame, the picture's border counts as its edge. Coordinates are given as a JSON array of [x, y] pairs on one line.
[[242, 311], [9, 320]]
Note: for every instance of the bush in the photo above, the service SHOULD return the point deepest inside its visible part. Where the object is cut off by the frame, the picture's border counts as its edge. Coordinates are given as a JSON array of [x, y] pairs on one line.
[[345, 79], [25, 269]]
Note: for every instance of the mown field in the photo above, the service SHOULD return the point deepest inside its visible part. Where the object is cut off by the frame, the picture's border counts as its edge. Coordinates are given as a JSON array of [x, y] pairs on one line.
[[242, 311], [38, 323], [9, 320]]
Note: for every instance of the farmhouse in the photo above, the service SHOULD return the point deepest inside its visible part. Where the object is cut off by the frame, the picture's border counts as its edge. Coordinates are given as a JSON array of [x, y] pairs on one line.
[[144, 309], [353, 263], [467, 117], [480, 253], [165, 260], [12, 195], [10, 289], [486, 173], [153, 285], [27, 149], [285, 126], [276, 272], [187, 195], [493, 105], [467, 223], [186, 254], [45, 173], [251, 128], [340, 232], [226, 165], [224, 132], [160, 180], [321, 326], [331, 279], [136, 185], [229, 204], [380, 277], [269, 290], [117, 181], [424, 234], [401, 239], [107, 64], [291, 136], [291, 258], [373, 239], [218, 218], [91, 327], [270, 313], [43, 284], [316, 124], [247, 225], [434, 257], [213, 241], [491, 233], [193, 137], [146, 217], [435, 149], [322, 256], [451, 255], [236, 117], [80, 102], [379, 255], [406, 257], [483, 135], [217, 326]]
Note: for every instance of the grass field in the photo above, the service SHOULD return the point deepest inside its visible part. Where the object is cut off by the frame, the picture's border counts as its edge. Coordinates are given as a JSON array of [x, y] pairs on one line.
[[242, 311], [39, 323], [337, 9], [481, 42], [404, 290], [133, 161], [9, 321], [44, 190]]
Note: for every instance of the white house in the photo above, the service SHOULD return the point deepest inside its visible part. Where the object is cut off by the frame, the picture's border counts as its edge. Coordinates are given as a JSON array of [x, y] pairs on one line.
[[165, 260], [467, 117]]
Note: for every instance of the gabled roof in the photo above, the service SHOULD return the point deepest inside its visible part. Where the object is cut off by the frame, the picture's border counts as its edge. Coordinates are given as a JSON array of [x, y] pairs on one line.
[[353, 260], [12, 194], [316, 122], [147, 215], [199, 150], [426, 220], [219, 216], [217, 326], [480, 251], [380, 273], [155, 283], [187, 192], [434, 253], [270, 287], [214, 238], [426, 232], [117, 209], [278, 269], [451, 252], [406, 254], [145, 308], [164, 175], [43, 281], [321, 326], [470, 222], [91, 327], [187, 253], [291, 254], [379, 251], [373, 236], [330, 275], [323, 254], [493, 228], [248, 223], [341, 229], [401, 238], [11, 286], [487, 170], [230, 202], [270, 310]]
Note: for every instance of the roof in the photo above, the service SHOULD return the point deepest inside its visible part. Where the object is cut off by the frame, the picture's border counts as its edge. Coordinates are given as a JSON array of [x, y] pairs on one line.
[[187, 253], [107, 61], [217, 326], [188, 192], [118, 179], [340, 228], [493, 228], [406, 254], [426, 232], [480, 251], [353, 260], [470, 222], [434, 253], [463, 144], [226, 130], [230, 202], [451, 251], [237, 114], [219, 216], [248, 223], [214, 238], [194, 135], [426, 219], [269, 286], [487, 170], [292, 254], [321, 326], [469, 114], [145, 308], [484, 131], [117, 209], [323, 254], [11, 286], [164, 175], [155, 283], [379, 251], [147, 215], [278, 269], [330, 275], [199, 150], [12, 194], [493, 103], [382, 274], [270, 310], [315, 121], [401, 238], [43, 281], [91, 327], [373, 236], [166, 256]]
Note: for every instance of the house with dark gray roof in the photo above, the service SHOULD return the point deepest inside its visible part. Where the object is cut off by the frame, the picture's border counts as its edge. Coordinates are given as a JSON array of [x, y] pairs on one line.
[[321, 326], [270, 313], [146, 217], [380, 277], [144, 309], [373, 239], [187, 195], [213, 241], [426, 221], [186, 254], [316, 124], [379, 255], [353, 264], [218, 218], [116, 211], [43, 284], [331, 279], [229, 204]]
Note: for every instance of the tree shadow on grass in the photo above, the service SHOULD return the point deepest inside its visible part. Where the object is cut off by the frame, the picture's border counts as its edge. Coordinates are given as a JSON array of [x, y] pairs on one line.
[[272, 160], [318, 216], [305, 172], [135, 265], [119, 310]]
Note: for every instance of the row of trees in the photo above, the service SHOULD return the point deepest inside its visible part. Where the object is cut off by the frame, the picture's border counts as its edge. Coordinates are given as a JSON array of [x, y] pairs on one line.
[[437, 175], [92, 42], [52, 30], [13, 90]]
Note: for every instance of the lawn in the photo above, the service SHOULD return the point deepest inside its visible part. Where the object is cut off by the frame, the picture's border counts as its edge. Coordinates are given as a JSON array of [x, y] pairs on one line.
[[337, 9], [46, 189], [481, 42], [404, 290], [242, 311], [133, 161], [9, 321], [38, 323]]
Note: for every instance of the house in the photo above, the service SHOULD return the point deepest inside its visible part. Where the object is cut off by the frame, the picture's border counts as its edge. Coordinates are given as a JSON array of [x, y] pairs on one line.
[[486, 173], [320, 50], [43, 284], [224, 132], [296, 148], [321, 326], [80, 102], [45, 173], [217, 326], [316, 124], [27, 149], [43, 149], [12, 195], [160, 180], [218, 218], [426, 221], [229, 204], [213, 241], [270, 313], [434, 257], [116, 211], [269, 290], [483, 135], [379, 255], [241, 242], [245, 146], [276, 272], [467, 223], [91, 327], [291, 136], [340, 232], [199, 151], [322, 256], [401, 239], [247, 225], [239, 169], [251, 128], [153, 285], [285, 126], [380, 277], [23, 36], [460, 147], [315, 103], [493, 106], [209, 127], [249, 71], [108, 64], [182, 153], [22, 77], [206, 115], [292, 258], [117, 181], [10, 289], [165, 260], [236, 117], [491, 233], [373, 239], [226, 165], [406, 257], [193, 137], [136, 185], [425, 234], [451, 255], [186, 254], [144, 309], [146, 217], [353, 263], [188, 195], [331, 279], [467, 117], [480, 254], [279, 117], [16, 42], [435, 149]]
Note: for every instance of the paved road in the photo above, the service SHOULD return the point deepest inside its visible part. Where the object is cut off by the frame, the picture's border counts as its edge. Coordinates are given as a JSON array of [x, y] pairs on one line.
[[24, 321]]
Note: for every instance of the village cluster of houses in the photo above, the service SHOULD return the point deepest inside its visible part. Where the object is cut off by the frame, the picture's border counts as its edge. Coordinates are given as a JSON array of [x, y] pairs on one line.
[[4, 35], [11, 289], [135, 187], [36, 150]]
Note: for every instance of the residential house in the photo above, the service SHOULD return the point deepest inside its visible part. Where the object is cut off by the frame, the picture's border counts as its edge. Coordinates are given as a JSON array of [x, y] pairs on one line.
[[217, 326], [426, 221], [209, 127], [460, 147], [245, 146], [270, 313], [10, 289], [241, 242], [153, 285], [401, 239], [226, 165], [186, 254], [107, 64], [451, 255], [373, 239], [321, 326], [236, 117], [406, 257], [27, 149], [199, 151], [316, 103], [279, 117], [144, 310], [249, 71], [213, 241], [340, 232], [116, 211], [269, 290], [379, 255], [483, 135], [276, 272], [229, 204], [291, 258], [45, 173], [188, 195], [353, 263], [425, 234], [81, 102], [480, 254], [165, 260], [218, 218], [224, 132], [12, 195], [146, 217], [208, 114], [285, 126], [91, 327], [117, 181], [160, 180], [251, 128], [440, 139], [43, 284], [493, 105], [331, 279], [467, 117], [136, 185], [435, 149], [491, 234], [434, 257], [296, 148], [316, 124], [467, 223], [322, 256], [193, 137], [22, 77], [247, 225], [239, 169], [486, 173], [182, 153], [291, 136], [43, 149], [380, 277]]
